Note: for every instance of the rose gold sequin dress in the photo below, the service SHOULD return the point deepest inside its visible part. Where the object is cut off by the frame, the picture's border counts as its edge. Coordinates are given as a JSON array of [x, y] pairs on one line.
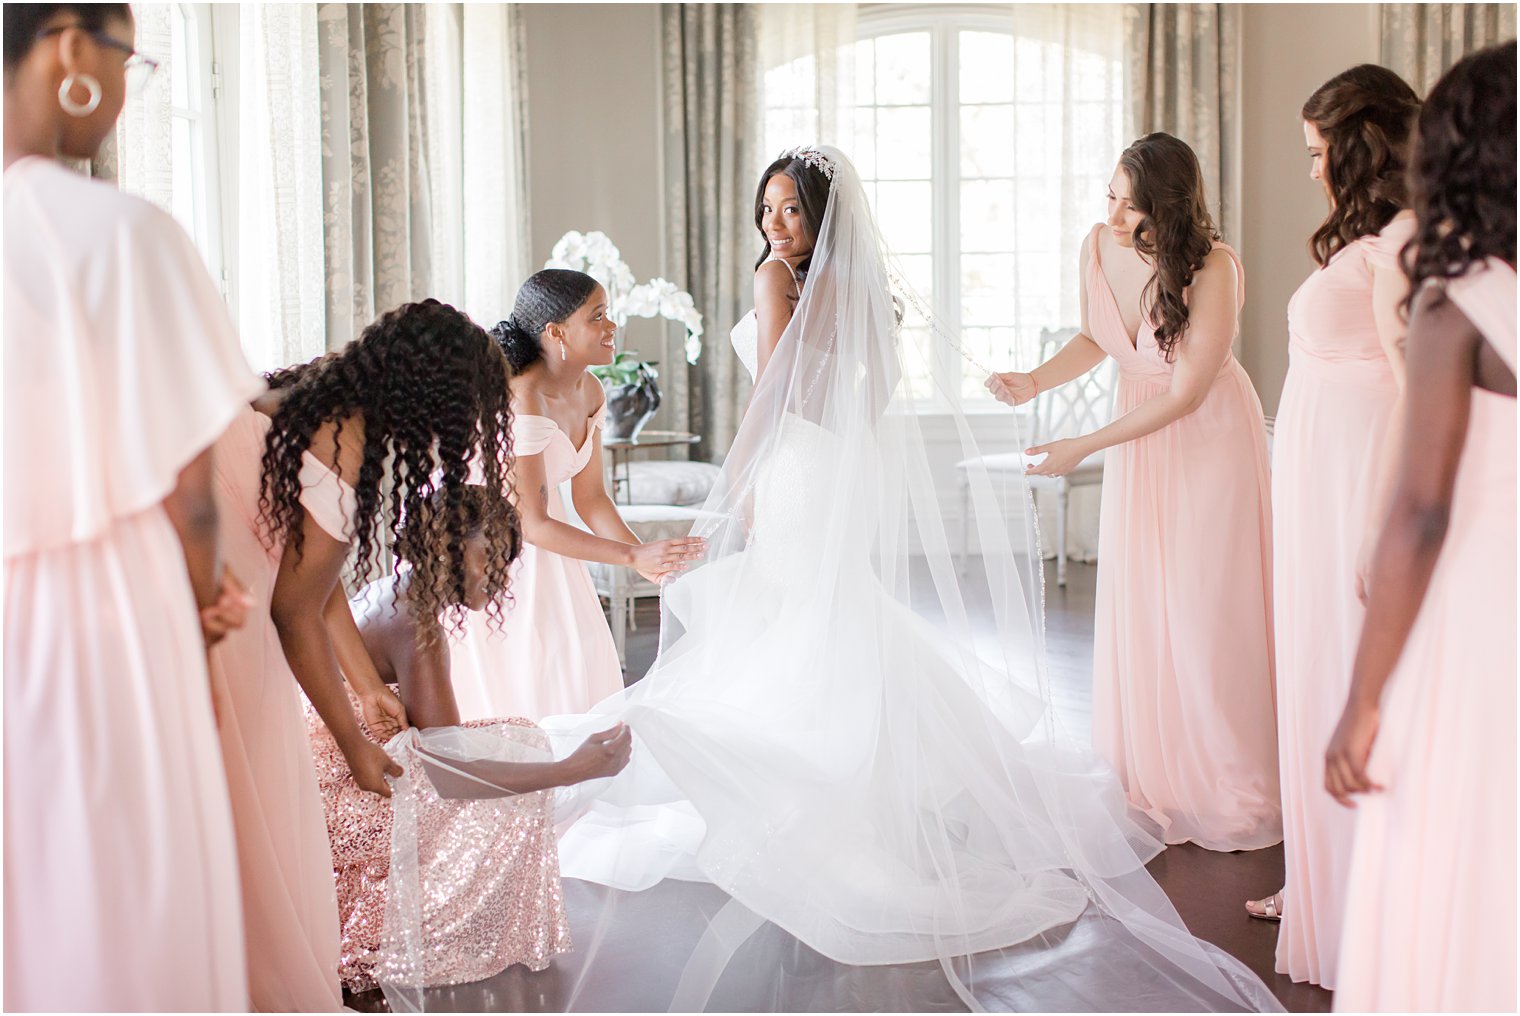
[[489, 868]]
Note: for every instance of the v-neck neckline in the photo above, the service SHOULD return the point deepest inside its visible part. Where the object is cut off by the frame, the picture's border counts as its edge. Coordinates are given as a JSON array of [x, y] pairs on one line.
[[1134, 340]]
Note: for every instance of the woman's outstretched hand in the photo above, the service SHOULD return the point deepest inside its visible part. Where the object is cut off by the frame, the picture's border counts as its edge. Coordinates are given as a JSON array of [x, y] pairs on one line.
[[371, 765], [1012, 388], [383, 713], [664, 559], [1061, 457], [604, 753]]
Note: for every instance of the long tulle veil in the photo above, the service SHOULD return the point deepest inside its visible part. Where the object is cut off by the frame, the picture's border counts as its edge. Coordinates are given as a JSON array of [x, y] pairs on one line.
[[846, 754]]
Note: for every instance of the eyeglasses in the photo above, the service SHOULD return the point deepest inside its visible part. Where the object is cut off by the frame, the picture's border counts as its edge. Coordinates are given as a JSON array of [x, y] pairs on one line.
[[139, 67]]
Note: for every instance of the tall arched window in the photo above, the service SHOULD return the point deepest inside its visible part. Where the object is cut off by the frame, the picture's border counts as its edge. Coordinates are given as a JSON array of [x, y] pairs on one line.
[[986, 139]]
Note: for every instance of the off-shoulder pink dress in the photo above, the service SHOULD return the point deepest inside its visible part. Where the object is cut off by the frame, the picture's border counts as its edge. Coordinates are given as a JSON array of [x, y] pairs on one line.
[[1182, 657], [1430, 901], [1335, 412], [121, 367], [555, 653], [291, 907]]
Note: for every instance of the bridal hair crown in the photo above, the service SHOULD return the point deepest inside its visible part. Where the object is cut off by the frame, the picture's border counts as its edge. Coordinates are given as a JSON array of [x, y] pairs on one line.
[[813, 157]]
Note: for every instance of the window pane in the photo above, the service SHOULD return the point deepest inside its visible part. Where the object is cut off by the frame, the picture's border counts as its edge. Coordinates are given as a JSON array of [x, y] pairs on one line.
[[987, 217], [902, 143], [905, 213], [987, 141], [179, 59], [986, 63], [994, 346], [183, 178], [987, 289], [918, 272], [863, 150], [902, 68], [917, 353]]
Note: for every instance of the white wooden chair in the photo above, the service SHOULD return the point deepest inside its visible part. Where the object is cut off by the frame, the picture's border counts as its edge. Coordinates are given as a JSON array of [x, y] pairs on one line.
[[1079, 407]]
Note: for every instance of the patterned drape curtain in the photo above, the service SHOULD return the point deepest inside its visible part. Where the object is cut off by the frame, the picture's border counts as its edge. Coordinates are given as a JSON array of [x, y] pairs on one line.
[[710, 109], [1183, 63], [1421, 41], [376, 193]]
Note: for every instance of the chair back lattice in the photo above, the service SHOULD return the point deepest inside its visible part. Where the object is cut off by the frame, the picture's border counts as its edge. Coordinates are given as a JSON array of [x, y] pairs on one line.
[[1078, 407]]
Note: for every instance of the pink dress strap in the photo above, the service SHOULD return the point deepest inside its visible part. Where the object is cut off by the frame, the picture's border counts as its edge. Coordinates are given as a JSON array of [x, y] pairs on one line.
[[532, 434], [1382, 249], [1486, 297], [331, 502]]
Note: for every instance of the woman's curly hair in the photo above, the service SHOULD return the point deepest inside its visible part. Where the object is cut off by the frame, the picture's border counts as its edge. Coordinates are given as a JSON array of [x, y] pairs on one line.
[[480, 510], [1462, 172], [1366, 116], [1177, 233], [429, 389]]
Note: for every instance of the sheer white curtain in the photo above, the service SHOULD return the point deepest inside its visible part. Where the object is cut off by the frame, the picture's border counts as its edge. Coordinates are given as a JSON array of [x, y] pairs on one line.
[[475, 116], [275, 241], [806, 72]]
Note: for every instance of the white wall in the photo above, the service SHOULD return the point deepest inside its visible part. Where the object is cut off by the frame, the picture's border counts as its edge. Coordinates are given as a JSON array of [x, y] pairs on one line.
[[1288, 50]]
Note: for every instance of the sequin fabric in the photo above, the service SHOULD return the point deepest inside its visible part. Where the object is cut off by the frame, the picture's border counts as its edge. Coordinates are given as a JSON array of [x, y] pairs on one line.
[[491, 893]]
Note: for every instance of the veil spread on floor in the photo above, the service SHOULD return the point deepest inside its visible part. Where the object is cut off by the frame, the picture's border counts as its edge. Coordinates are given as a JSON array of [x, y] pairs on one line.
[[846, 755]]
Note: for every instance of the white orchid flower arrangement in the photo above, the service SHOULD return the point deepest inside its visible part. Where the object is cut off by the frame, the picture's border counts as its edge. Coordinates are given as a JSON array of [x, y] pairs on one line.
[[597, 256]]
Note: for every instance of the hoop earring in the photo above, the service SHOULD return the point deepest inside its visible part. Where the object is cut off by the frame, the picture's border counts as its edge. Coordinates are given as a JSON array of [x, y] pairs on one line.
[[79, 109], [563, 354]]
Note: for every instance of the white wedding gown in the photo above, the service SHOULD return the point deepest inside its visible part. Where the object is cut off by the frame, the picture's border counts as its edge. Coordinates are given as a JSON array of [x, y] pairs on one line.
[[849, 739]]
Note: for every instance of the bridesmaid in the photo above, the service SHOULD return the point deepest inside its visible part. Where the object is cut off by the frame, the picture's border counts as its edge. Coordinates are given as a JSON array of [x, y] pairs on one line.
[[121, 368], [1182, 661], [1428, 732], [322, 466], [499, 900], [555, 653], [1345, 375]]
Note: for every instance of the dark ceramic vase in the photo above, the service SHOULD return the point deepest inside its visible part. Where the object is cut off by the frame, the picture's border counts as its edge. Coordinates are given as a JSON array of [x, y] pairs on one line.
[[630, 406]]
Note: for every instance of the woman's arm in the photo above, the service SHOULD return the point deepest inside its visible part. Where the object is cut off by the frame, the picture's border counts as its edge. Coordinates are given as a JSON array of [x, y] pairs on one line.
[[382, 710], [298, 608], [1443, 347], [542, 530], [1071, 361], [1201, 352], [775, 300], [422, 674], [1389, 287], [221, 600], [588, 490]]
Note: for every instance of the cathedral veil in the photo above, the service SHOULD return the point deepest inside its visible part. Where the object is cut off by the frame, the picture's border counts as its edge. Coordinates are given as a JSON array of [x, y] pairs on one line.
[[848, 776]]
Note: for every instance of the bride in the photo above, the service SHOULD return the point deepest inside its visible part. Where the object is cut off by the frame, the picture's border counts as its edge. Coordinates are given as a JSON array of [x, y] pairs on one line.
[[850, 740]]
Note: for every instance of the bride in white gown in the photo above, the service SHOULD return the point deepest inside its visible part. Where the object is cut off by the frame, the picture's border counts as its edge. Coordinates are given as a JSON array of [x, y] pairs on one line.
[[846, 736]]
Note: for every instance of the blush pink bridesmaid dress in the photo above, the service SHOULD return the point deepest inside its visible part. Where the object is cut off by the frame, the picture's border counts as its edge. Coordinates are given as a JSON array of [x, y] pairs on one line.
[[1430, 902], [1335, 412], [121, 367], [291, 907], [1182, 658], [554, 654]]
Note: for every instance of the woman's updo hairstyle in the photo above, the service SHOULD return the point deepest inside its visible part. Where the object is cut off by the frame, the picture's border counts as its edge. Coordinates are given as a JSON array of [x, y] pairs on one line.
[[1366, 116], [548, 297]]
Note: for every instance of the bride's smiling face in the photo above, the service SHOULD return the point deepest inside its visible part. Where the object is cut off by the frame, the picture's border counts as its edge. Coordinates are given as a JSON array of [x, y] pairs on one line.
[[781, 219]]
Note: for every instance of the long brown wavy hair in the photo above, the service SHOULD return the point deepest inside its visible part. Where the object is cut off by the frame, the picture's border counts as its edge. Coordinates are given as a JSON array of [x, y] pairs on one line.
[[1177, 233], [431, 389], [1462, 173], [1366, 116]]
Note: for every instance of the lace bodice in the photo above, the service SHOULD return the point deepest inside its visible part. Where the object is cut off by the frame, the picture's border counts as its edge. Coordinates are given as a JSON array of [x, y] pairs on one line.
[[745, 335]]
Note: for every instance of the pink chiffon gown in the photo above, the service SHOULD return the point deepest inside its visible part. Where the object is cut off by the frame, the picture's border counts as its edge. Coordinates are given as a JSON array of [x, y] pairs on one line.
[[1430, 903], [554, 654], [1331, 424], [291, 909], [121, 367], [1182, 658]]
